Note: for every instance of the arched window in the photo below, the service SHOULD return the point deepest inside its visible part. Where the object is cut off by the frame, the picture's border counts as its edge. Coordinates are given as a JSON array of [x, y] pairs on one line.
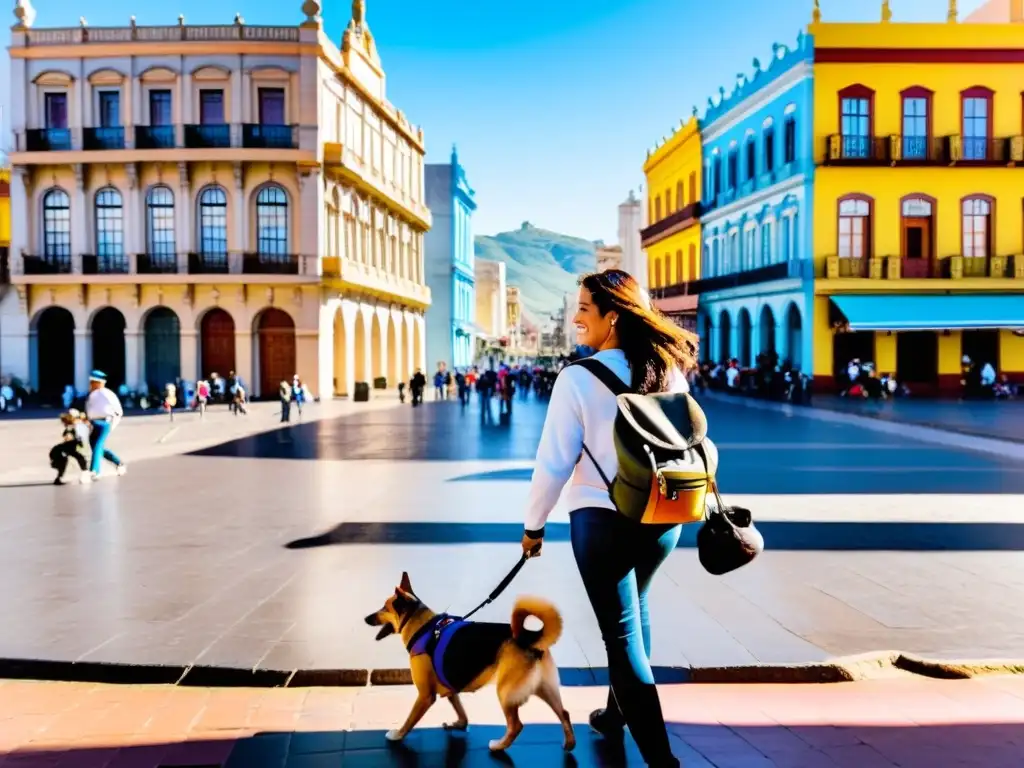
[[213, 225], [977, 227], [272, 221], [680, 200], [679, 267], [854, 228], [657, 208], [668, 202], [691, 273], [160, 241], [109, 231], [57, 228]]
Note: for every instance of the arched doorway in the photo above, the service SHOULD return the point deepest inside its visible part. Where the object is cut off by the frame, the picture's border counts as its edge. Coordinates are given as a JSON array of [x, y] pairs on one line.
[[108, 345], [704, 333], [724, 337], [767, 330], [340, 351], [55, 352], [417, 344], [794, 336], [917, 360], [406, 341], [746, 330], [217, 343], [162, 332], [360, 343], [275, 332], [376, 342], [392, 373]]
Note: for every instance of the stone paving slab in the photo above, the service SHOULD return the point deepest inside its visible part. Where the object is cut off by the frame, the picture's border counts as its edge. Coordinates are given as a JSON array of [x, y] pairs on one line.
[[911, 723]]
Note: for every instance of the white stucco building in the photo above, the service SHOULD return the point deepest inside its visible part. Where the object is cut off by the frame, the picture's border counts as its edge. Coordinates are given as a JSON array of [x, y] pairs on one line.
[[631, 221], [198, 199]]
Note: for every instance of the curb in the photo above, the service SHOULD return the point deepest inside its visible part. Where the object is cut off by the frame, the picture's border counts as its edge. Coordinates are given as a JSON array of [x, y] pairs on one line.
[[869, 666]]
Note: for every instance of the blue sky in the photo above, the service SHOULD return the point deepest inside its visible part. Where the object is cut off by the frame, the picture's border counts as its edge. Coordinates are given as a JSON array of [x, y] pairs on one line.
[[552, 104]]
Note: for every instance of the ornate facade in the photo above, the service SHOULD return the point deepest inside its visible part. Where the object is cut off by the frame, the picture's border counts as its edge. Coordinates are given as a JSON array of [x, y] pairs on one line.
[[190, 200]]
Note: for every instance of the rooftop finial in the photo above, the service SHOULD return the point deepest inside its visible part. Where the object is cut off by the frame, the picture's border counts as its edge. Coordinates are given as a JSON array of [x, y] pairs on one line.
[[951, 16], [886, 12], [312, 10], [816, 13], [24, 13], [358, 12]]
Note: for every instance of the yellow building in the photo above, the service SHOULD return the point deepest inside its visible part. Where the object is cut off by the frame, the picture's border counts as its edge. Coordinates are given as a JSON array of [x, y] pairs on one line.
[[918, 198], [672, 239], [5, 222]]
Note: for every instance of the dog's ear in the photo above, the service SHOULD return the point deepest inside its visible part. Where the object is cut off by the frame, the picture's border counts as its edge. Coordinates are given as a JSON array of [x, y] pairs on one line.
[[405, 584], [385, 631]]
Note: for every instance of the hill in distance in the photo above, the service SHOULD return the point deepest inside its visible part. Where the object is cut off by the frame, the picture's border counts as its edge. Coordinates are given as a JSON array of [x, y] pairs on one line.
[[543, 264]]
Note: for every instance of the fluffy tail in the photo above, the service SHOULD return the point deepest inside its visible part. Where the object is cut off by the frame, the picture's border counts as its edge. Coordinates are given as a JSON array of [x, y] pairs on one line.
[[548, 635]]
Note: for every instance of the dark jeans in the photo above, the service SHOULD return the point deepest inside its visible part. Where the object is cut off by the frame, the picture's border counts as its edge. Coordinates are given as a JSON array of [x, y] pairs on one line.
[[286, 409], [617, 559], [62, 452], [98, 443]]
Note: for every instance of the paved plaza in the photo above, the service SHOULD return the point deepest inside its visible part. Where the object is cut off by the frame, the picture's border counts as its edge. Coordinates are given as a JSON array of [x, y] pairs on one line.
[[910, 723], [265, 551]]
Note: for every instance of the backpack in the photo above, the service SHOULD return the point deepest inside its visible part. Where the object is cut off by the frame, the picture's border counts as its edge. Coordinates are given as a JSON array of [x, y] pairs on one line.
[[665, 472]]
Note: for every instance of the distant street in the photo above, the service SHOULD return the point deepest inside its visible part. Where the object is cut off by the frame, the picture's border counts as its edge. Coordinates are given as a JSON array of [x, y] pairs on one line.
[[265, 551]]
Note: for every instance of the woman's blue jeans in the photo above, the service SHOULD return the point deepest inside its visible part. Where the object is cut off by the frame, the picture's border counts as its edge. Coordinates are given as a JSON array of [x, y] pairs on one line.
[[617, 559], [98, 442]]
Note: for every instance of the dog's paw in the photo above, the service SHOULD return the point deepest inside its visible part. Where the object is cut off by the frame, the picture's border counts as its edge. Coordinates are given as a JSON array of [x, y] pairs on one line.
[[394, 735], [458, 725]]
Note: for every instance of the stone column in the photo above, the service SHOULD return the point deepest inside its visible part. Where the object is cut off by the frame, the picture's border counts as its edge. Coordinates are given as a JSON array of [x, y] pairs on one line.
[[190, 356], [133, 350], [81, 232], [183, 214], [382, 318], [324, 381], [134, 226], [309, 223], [308, 364], [83, 359], [243, 360], [23, 236], [182, 104]]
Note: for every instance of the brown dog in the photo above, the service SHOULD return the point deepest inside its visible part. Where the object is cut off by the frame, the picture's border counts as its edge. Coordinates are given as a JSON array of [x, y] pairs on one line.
[[449, 656]]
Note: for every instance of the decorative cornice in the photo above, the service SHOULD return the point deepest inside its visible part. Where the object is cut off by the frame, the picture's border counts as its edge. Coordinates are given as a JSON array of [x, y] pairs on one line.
[[783, 60]]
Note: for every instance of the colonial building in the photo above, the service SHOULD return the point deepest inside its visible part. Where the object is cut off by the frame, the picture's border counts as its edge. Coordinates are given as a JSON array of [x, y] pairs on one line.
[[608, 257], [449, 263], [671, 241], [631, 221], [491, 300], [200, 199], [759, 171], [917, 199]]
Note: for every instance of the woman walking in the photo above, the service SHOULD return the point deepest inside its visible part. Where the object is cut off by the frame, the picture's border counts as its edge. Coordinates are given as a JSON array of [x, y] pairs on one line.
[[617, 557]]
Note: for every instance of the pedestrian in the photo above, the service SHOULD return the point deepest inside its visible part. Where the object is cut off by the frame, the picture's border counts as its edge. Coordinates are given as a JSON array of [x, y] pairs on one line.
[[416, 386], [202, 397], [617, 557], [104, 412], [298, 394], [70, 446], [285, 393], [170, 399], [238, 402]]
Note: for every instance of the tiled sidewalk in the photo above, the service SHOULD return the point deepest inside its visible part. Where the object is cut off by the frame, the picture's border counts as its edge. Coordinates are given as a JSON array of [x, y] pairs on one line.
[[907, 722]]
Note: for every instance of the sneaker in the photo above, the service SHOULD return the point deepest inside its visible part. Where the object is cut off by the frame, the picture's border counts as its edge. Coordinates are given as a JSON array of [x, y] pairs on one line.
[[121, 469], [58, 481], [86, 478]]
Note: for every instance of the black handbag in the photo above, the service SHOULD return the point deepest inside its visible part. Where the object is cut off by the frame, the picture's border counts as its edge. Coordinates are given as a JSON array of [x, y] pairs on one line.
[[727, 539]]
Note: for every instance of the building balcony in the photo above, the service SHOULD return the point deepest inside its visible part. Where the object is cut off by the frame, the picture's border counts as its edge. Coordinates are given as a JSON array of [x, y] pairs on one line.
[[376, 281], [157, 264], [255, 136], [48, 140], [919, 150], [155, 137], [948, 268], [46, 265], [106, 265], [208, 136], [208, 264], [677, 221], [270, 264], [802, 269], [103, 138]]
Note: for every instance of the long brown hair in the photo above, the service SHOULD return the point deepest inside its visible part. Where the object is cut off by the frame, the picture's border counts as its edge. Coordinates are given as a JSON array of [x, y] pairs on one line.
[[653, 344]]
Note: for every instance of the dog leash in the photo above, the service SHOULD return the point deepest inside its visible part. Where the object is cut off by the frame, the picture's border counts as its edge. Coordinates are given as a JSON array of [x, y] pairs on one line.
[[502, 586]]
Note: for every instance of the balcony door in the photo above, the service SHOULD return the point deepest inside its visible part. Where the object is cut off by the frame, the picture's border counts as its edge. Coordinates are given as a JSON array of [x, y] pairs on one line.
[[271, 103], [916, 229]]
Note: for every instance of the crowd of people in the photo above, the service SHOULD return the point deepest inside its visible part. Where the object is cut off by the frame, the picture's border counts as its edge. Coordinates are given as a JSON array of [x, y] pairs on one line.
[[769, 379], [979, 380]]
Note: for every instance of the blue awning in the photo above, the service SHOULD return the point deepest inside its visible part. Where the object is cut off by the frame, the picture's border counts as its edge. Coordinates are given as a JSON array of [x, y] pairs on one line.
[[931, 313]]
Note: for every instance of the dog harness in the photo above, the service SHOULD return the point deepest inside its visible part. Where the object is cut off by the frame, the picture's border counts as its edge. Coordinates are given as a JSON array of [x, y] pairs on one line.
[[459, 650]]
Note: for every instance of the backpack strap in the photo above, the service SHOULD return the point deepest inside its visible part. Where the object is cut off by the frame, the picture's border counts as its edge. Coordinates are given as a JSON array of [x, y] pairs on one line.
[[606, 376]]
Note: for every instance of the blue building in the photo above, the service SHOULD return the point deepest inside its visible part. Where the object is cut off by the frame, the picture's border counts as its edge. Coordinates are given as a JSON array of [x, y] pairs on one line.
[[757, 286], [448, 255]]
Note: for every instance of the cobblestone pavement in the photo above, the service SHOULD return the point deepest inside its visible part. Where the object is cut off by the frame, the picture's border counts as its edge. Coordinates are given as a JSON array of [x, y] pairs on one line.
[[911, 723], [265, 552]]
